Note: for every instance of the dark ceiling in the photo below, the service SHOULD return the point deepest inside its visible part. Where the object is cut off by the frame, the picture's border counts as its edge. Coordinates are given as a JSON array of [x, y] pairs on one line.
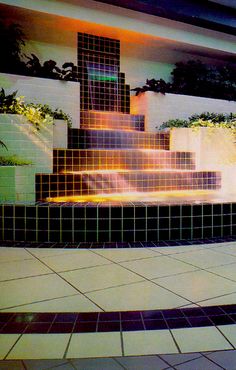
[[216, 15]]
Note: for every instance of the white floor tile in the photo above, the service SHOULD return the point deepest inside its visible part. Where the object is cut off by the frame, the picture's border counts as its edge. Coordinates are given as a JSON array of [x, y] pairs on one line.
[[148, 342], [28, 290], [100, 277], [138, 296], [200, 339], [198, 285], [40, 346], [118, 255], [228, 248], [94, 345], [23, 268], [205, 258], [76, 303], [13, 254], [227, 271], [81, 259], [6, 343], [224, 299], [50, 252], [156, 267], [230, 332]]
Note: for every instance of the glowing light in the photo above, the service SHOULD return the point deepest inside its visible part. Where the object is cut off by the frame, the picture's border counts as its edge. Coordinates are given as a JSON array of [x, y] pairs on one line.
[[195, 196]]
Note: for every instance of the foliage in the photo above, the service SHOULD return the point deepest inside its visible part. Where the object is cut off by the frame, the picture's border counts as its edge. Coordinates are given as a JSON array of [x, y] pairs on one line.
[[12, 40], [153, 85], [205, 119], [49, 69], [37, 114], [13, 160], [2, 144], [197, 79]]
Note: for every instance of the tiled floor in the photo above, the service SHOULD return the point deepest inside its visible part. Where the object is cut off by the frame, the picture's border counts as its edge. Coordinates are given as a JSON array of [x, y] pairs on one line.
[[43, 280]]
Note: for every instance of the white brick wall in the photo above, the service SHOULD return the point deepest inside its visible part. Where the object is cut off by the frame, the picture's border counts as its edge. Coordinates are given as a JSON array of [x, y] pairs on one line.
[[64, 95], [159, 108]]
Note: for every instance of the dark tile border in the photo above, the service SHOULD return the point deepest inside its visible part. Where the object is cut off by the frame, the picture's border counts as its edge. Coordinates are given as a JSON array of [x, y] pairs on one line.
[[116, 245], [48, 323]]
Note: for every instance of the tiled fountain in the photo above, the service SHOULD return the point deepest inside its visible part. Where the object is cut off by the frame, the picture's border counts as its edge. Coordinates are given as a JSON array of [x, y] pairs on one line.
[[116, 182]]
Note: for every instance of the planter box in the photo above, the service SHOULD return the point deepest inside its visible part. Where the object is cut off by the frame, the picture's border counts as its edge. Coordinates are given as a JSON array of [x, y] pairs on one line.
[[17, 183], [23, 140], [64, 95], [215, 149], [159, 108]]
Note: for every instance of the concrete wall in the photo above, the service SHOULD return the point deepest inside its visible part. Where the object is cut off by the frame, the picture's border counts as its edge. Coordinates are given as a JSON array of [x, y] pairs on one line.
[[159, 108], [64, 95]]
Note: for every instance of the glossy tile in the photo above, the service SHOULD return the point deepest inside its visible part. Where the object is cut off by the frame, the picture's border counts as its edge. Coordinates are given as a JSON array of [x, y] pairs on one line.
[[29, 290], [51, 252], [13, 254], [72, 303], [81, 259], [200, 339], [137, 296], [224, 299], [230, 333], [6, 343], [198, 285], [21, 269], [119, 255], [40, 346], [155, 267], [148, 342], [94, 345], [100, 277], [205, 258], [226, 271]]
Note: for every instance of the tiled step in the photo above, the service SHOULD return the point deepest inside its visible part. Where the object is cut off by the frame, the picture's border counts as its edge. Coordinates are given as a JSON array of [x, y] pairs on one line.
[[111, 121], [58, 185], [111, 139], [102, 159]]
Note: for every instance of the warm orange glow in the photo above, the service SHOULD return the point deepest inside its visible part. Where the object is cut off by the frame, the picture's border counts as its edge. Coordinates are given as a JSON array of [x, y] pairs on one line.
[[194, 196]]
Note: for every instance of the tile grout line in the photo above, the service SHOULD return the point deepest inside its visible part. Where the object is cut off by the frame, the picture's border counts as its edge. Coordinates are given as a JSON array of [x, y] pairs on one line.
[[71, 285]]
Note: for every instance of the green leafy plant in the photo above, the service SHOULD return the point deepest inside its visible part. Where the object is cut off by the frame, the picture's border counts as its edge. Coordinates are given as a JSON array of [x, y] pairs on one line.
[[37, 114], [49, 69], [197, 79], [13, 160], [158, 86], [205, 119], [12, 40]]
